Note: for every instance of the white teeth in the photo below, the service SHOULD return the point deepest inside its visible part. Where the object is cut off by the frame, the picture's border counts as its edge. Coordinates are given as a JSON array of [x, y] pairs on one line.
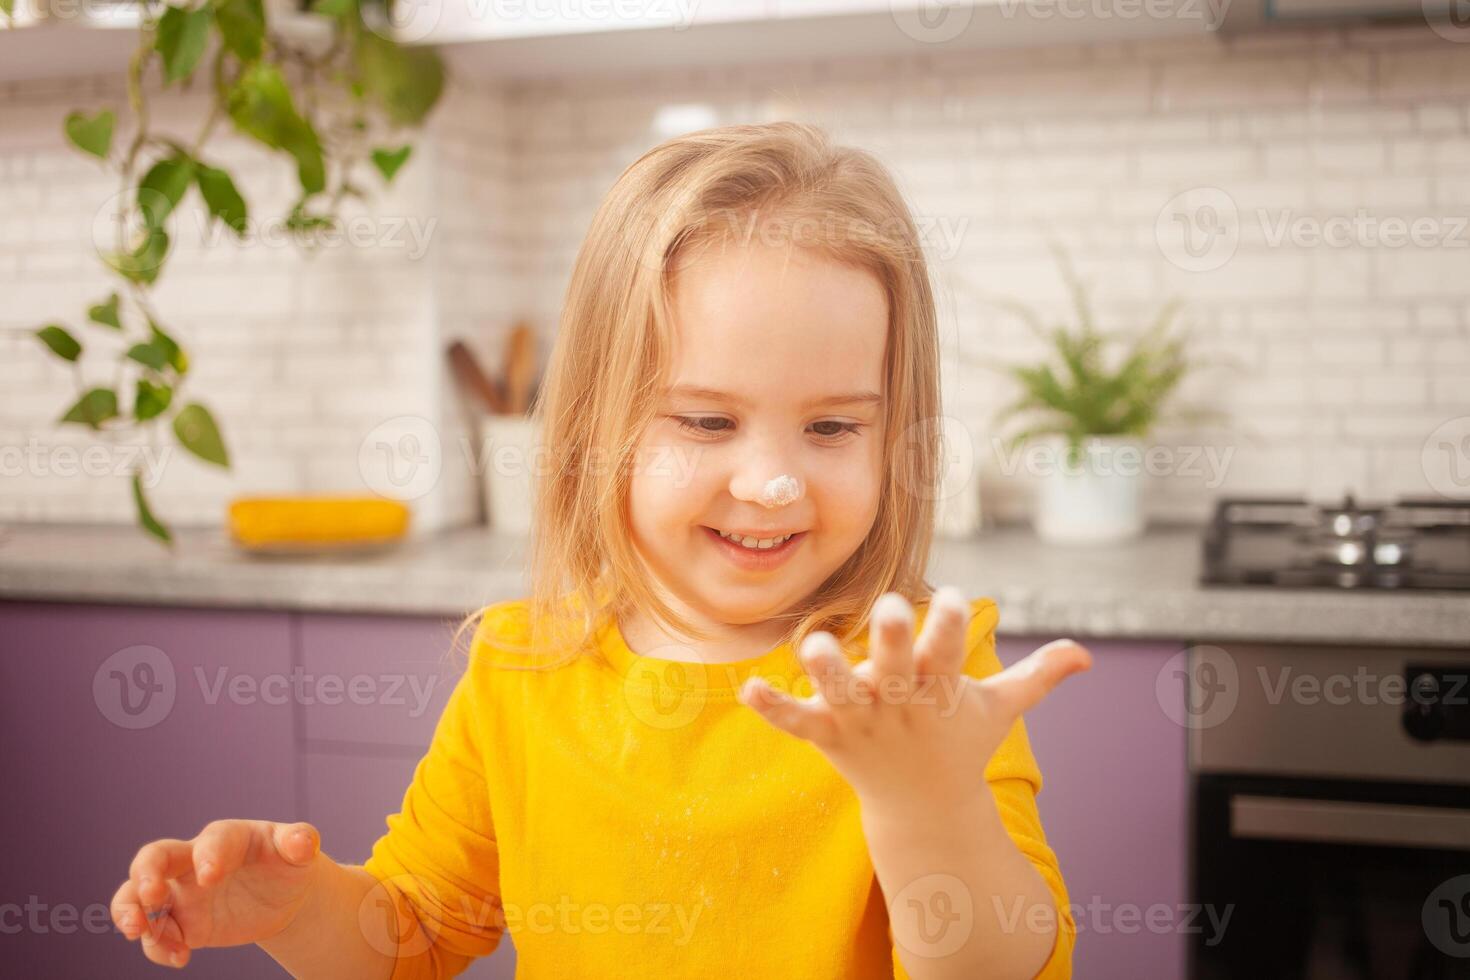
[[759, 544]]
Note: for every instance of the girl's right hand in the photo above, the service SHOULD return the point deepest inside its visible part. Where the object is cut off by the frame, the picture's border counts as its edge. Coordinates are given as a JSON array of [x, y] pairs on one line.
[[238, 882]]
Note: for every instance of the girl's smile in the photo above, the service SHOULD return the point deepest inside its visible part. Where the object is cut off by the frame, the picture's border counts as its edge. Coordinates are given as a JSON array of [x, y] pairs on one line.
[[757, 554]]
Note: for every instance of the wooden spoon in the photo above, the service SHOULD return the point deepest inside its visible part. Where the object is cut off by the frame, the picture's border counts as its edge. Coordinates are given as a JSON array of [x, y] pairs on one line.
[[467, 373], [520, 368]]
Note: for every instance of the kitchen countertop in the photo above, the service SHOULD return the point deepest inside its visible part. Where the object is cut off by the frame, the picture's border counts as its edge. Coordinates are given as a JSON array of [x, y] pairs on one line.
[[1143, 589]]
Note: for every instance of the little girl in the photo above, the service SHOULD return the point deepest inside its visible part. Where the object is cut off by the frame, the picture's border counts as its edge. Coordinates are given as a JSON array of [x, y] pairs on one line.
[[716, 740]]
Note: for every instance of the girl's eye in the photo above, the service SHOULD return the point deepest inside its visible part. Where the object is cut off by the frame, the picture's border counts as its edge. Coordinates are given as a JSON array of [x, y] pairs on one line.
[[709, 425], [842, 428], [697, 425]]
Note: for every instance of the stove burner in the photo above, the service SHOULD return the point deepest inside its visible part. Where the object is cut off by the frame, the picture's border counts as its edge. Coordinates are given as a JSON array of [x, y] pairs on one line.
[[1412, 544]]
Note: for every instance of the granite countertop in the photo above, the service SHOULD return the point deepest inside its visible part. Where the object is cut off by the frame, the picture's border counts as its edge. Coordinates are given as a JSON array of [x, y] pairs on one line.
[[1143, 589]]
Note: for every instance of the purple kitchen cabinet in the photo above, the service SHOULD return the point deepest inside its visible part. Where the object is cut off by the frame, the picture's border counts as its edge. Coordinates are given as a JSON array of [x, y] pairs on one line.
[[360, 751], [120, 725], [124, 724], [1114, 802]]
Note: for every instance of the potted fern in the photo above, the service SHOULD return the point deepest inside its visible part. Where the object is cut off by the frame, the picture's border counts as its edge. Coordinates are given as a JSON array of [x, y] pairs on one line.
[[1088, 409]]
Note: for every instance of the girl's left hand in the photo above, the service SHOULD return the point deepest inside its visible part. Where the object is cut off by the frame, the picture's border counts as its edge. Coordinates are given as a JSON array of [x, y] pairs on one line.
[[906, 723]]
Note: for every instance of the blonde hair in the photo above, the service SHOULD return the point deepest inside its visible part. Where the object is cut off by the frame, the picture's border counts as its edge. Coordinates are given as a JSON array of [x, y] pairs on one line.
[[603, 378]]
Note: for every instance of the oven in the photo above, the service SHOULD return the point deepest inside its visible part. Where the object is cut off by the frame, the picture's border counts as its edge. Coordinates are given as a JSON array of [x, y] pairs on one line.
[[1330, 834]]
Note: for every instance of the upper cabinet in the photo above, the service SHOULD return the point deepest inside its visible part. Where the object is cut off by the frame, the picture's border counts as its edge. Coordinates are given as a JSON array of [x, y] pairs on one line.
[[515, 39]]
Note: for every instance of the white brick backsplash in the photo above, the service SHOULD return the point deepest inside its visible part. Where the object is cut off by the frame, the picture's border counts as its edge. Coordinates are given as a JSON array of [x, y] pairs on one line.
[[1346, 355]]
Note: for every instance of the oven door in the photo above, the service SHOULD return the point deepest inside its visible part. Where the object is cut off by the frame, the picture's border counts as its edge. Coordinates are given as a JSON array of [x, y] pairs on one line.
[[1330, 837], [1318, 880]]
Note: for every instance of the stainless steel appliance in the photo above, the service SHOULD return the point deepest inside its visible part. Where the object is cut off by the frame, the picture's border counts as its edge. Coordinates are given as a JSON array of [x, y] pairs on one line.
[[1331, 784], [1411, 544]]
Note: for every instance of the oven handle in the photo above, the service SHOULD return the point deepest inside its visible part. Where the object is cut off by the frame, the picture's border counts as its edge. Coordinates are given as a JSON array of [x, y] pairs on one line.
[[1343, 822]]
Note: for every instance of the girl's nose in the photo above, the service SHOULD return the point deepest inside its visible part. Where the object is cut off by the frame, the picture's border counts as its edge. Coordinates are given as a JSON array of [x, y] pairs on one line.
[[767, 488], [780, 491]]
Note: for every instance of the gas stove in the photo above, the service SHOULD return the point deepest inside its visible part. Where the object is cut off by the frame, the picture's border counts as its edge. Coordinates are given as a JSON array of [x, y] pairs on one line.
[[1411, 544]]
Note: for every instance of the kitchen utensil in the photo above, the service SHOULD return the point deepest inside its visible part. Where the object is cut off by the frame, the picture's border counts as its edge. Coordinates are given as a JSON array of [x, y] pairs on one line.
[[467, 372], [519, 368]]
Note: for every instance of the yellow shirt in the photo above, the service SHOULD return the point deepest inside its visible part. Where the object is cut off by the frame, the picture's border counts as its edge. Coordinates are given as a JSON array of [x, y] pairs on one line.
[[627, 816]]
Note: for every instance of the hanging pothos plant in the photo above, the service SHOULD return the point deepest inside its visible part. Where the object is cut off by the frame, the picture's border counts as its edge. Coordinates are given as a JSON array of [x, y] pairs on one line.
[[316, 94]]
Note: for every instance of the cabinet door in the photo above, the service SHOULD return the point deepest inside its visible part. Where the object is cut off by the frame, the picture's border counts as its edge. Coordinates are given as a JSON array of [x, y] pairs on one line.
[[1114, 802], [360, 751], [120, 725]]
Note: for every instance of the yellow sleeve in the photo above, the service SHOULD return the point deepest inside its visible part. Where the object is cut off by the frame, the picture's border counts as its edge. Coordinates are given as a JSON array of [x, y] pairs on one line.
[[1015, 779], [438, 864]]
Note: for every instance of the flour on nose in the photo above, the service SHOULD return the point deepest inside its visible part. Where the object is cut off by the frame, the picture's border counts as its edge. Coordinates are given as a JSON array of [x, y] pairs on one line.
[[780, 491]]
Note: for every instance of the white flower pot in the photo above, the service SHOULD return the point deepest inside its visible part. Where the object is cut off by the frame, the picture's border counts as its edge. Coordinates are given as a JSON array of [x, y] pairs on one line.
[[1093, 500], [508, 459]]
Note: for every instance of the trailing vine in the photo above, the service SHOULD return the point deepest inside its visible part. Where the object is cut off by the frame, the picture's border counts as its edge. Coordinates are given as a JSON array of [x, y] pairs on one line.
[[327, 92]]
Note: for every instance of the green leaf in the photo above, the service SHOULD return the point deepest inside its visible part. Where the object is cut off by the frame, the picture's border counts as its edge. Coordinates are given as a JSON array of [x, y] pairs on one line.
[[222, 198], [95, 407], [260, 106], [405, 81], [163, 187], [91, 134], [242, 25], [149, 355], [172, 351], [7, 7], [62, 344], [151, 400], [146, 519], [145, 262], [389, 162], [334, 8], [197, 433], [106, 313], [181, 38]]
